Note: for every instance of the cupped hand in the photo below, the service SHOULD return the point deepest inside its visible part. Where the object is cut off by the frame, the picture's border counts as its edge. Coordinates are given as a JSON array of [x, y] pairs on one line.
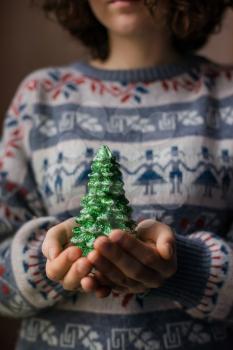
[[66, 265], [136, 264]]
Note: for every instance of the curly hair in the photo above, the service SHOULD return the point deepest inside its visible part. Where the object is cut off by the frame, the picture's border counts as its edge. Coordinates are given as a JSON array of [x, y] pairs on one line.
[[190, 22]]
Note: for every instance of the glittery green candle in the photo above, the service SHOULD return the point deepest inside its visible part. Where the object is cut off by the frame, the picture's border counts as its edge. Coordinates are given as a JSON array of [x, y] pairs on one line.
[[105, 206]]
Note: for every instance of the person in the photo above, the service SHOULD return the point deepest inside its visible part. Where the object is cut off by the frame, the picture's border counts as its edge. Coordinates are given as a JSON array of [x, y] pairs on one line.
[[145, 93]]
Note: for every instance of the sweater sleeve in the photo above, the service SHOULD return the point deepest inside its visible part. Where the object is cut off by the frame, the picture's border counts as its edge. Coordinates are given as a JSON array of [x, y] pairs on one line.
[[24, 287], [203, 283]]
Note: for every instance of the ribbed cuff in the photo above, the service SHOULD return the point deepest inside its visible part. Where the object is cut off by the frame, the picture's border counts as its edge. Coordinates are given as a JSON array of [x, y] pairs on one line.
[[188, 284], [29, 263]]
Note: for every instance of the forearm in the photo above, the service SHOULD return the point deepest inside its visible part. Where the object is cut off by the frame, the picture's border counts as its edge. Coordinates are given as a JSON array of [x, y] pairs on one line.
[[25, 288], [204, 279]]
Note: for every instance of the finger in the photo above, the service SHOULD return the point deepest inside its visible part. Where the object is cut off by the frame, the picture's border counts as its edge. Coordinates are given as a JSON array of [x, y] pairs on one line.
[[166, 247], [106, 282], [111, 271], [91, 284], [128, 265], [103, 292], [160, 234], [145, 253], [57, 268], [81, 268], [103, 280], [56, 238]]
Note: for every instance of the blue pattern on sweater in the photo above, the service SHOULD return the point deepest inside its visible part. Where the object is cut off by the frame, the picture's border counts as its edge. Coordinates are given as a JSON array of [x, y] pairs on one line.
[[172, 133]]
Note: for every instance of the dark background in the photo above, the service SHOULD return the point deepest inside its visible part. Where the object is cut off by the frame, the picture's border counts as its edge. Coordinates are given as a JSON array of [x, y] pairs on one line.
[[29, 41]]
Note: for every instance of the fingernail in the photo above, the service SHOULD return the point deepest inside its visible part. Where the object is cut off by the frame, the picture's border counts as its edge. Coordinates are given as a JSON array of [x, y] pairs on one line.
[[52, 253], [169, 249]]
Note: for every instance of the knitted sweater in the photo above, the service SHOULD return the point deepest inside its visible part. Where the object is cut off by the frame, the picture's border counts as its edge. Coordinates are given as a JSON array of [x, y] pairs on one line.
[[171, 129]]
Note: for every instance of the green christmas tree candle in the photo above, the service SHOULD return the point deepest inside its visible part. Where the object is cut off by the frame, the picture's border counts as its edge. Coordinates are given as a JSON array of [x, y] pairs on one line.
[[105, 206]]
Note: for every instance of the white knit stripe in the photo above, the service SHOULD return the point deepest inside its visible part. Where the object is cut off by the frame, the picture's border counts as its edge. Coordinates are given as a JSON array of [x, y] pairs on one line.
[[191, 195], [114, 304]]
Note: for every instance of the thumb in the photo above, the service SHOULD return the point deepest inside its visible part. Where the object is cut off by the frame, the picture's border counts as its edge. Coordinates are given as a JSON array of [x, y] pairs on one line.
[[159, 234], [57, 238]]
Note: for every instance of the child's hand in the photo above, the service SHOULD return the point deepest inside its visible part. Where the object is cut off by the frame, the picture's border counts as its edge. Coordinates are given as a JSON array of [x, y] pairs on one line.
[[137, 264], [66, 265]]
